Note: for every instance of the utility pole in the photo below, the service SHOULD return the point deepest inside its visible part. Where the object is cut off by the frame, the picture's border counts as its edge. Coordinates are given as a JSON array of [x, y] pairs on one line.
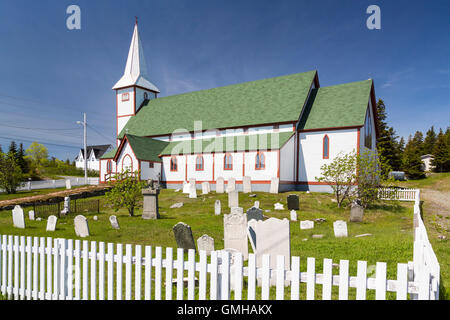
[[84, 123]]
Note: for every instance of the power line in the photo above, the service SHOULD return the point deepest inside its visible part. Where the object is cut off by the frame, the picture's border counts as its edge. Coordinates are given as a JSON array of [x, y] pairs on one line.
[[100, 134], [44, 129], [45, 142]]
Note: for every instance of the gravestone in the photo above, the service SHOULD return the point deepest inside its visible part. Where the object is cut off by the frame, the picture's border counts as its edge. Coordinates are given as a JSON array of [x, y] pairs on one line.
[[205, 188], [306, 224], [193, 183], [278, 206], [293, 202], [176, 205], [192, 191], [247, 184], [51, 223], [220, 185], [251, 233], [66, 208], [256, 205], [340, 228], [186, 187], [273, 238], [205, 243], [31, 215], [274, 184], [217, 207], [114, 222], [356, 212], [254, 214], [231, 185], [95, 218], [81, 226], [235, 232], [151, 207], [293, 215], [183, 236], [233, 199], [68, 184], [18, 218]]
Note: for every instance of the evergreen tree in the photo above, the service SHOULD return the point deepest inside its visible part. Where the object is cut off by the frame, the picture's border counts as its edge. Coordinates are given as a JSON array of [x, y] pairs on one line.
[[13, 149], [1, 151], [430, 140], [21, 161], [441, 156], [417, 140], [412, 164]]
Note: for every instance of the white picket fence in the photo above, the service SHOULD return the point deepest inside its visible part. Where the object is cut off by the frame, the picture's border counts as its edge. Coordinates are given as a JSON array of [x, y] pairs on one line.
[[403, 194]]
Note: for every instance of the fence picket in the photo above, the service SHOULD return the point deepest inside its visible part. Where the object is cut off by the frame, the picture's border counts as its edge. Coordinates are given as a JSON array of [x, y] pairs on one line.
[[280, 278], [169, 271], [424, 284], [42, 268], [238, 274], [48, 295], [101, 271], [180, 273], [214, 288], [402, 281], [10, 266], [361, 280], [119, 262], [265, 279], [56, 267], [77, 270], [158, 272], [70, 277], [380, 291], [251, 278], [16, 268], [128, 261], [343, 279], [225, 275], [63, 270], [191, 274], [148, 273], [22, 268], [327, 279], [138, 273], [295, 278], [202, 276], [85, 258], [4, 261], [110, 276], [93, 270], [35, 251], [311, 278]]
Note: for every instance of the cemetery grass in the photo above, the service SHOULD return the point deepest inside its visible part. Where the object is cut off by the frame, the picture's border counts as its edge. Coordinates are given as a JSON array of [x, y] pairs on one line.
[[390, 223]]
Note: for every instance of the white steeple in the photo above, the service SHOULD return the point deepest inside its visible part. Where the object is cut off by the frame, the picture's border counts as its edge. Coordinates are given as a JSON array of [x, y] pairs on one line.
[[136, 68]]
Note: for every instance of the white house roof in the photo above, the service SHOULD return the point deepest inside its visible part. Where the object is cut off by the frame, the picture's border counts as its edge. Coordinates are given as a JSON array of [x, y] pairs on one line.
[[136, 68]]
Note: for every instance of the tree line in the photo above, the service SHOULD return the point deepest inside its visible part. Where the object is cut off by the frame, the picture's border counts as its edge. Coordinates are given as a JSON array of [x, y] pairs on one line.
[[397, 155]]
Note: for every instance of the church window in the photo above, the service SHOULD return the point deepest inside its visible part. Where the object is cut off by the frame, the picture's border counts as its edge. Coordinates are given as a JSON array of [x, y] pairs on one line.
[[228, 162], [125, 96], [151, 165], [199, 164], [173, 164], [260, 161], [368, 132], [109, 166], [326, 147]]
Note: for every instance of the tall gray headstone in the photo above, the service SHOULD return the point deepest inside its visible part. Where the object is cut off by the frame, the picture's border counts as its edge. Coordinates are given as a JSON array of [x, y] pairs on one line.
[[151, 206], [235, 232], [231, 185], [220, 185], [274, 184], [217, 208], [205, 243], [233, 199], [247, 184], [183, 236], [18, 218], [340, 228], [254, 214], [293, 202], [51, 223], [114, 222], [356, 212], [81, 226]]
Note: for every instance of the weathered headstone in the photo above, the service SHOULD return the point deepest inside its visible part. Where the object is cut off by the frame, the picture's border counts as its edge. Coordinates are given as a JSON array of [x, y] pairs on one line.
[[220, 185], [274, 184], [186, 187], [340, 228], [256, 205], [205, 243], [254, 214], [95, 218], [356, 212], [293, 202], [233, 199], [192, 191], [205, 187], [235, 232], [31, 215], [193, 182], [51, 223], [217, 208], [231, 185], [183, 236], [68, 184], [293, 215], [81, 226], [273, 238], [247, 184], [18, 218], [114, 222], [176, 205], [306, 224], [66, 208], [278, 206], [151, 207]]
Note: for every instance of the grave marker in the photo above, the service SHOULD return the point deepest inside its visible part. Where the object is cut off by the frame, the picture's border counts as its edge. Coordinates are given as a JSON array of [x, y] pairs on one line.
[[81, 226], [247, 184], [235, 232], [233, 199], [220, 185], [114, 222], [205, 243], [293, 202], [340, 228], [217, 207], [51, 223], [18, 218]]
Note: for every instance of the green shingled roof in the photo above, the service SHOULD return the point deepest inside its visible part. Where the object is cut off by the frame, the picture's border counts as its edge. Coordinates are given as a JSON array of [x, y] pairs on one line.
[[146, 148], [109, 154], [251, 142], [337, 106], [273, 100]]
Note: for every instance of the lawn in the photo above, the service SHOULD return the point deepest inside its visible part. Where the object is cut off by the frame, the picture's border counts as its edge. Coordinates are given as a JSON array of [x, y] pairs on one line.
[[390, 224]]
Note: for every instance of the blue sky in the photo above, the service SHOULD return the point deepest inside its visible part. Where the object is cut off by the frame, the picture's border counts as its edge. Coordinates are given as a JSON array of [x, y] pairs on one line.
[[50, 75]]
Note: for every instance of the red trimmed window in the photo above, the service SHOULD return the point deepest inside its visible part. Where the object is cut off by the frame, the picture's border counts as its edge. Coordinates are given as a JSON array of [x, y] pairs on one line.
[[326, 147], [173, 164], [228, 162], [125, 96], [199, 163], [109, 166], [260, 161]]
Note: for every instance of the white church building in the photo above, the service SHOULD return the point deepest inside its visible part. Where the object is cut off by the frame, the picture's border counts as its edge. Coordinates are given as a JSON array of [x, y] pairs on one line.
[[284, 127]]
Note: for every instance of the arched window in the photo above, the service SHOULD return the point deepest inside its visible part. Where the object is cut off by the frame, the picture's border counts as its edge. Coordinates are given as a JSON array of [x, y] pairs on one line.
[[199, 163], [368, 132], [326, 147], [127, 163], [173, 164], [109, 166], [260, 161], [228, 162]]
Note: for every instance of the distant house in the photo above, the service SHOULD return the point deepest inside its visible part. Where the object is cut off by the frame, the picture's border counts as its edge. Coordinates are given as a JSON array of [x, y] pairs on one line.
[[94, 154], [426, 160]]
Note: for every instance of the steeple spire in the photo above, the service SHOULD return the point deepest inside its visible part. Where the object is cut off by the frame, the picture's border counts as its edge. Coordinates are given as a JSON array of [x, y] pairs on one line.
[[136, 68]]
